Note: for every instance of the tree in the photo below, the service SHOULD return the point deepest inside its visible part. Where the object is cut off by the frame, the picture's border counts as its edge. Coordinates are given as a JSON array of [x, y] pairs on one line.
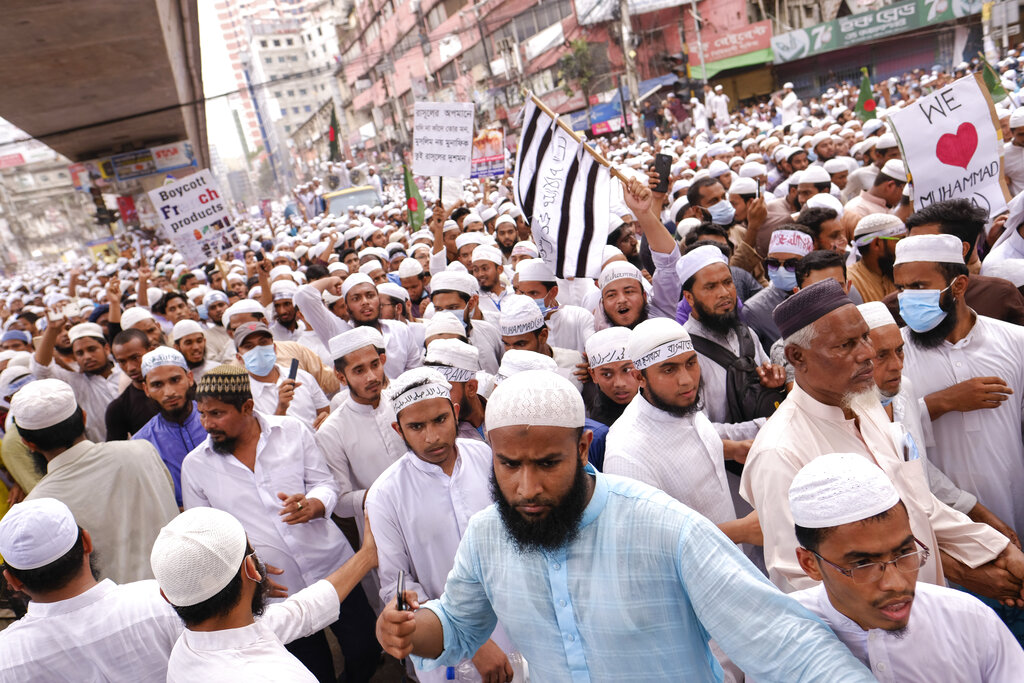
[[577, 66]]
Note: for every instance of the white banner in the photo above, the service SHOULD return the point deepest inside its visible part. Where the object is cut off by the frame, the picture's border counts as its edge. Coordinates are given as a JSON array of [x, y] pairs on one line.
[[596, 11], [442, 138], [195, 218], [951, 145]]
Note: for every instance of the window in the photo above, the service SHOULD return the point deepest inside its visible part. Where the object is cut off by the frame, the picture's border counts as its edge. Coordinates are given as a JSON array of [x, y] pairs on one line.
[[280, 60], [295, 110], [302, 91], [289, 42], [284, 111], [263, 43], [269, 60], [293, 58], [319, 31], [307, 108], [277, 43], [277, 94], [291, 93], [287, 129]]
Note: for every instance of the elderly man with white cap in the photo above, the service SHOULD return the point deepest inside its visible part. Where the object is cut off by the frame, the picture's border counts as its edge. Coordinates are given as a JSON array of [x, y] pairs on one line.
[[856, 539], [209, 572], [189, 339], [564, 528], [120, 490], [77, 628], [420, 506], [1013, 153]]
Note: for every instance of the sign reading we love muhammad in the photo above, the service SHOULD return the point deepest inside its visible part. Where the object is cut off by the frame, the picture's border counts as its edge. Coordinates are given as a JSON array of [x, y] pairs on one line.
[[951, 144]]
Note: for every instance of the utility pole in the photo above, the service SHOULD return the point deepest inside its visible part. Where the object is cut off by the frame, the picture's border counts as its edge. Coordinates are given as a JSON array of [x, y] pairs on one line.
[[629, 54], [700, 43]]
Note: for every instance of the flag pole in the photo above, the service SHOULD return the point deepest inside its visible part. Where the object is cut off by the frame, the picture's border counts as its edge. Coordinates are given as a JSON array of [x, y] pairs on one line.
[[568, 129]]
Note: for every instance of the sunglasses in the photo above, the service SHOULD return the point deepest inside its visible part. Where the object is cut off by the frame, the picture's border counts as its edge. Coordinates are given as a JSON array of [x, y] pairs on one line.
[[775, 264]]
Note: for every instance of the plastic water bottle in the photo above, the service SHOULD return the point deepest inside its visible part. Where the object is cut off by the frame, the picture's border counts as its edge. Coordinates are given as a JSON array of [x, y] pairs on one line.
[[465, 672]]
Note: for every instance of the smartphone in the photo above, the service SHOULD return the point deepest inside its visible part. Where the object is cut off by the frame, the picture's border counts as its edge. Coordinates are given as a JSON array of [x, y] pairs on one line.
[[293, 371], [400, 597], [259, 255], [757, 195], [663, 165]]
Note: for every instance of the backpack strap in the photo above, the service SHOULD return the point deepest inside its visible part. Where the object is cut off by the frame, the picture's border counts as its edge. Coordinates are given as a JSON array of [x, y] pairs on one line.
[[713, 350]]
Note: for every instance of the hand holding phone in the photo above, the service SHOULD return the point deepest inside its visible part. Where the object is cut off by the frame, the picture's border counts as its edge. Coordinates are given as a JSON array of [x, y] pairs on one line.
[[293, 370], [663, 167], [400, 603]]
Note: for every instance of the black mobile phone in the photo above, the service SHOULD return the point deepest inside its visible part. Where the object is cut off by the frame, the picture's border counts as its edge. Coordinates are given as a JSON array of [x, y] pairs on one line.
[[293, 371], [259, 255], [758, 193], [663, 165], [400, 597]]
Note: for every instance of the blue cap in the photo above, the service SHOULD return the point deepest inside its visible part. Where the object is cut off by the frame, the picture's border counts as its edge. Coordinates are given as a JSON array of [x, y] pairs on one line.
[[20, 335]]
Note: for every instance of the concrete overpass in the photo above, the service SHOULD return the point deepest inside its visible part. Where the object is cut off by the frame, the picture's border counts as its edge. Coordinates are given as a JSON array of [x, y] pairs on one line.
[[92, 78]]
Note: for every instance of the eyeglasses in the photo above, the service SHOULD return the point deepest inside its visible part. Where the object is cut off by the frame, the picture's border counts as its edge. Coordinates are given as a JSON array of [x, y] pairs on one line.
[[871, 572], [775, 264]]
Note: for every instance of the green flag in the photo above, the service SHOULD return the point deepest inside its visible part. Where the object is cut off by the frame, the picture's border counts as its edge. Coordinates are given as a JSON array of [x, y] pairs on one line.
[[866, 104], [413, 201], [992, 82]]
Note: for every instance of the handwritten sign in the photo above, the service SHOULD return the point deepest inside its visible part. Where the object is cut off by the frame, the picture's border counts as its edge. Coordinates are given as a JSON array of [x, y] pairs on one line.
[[951, 142], [194, 216], [442, 141]]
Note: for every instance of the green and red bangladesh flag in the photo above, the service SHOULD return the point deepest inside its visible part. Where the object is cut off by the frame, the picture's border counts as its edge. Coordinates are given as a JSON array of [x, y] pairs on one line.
[[413, 201], [866, 104]]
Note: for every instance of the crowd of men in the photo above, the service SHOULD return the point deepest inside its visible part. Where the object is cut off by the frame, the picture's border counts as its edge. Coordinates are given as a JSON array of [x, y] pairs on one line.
[[779, 438]]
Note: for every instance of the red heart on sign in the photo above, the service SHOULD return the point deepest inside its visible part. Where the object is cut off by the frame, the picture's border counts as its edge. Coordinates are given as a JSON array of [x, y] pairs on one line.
[[957, 150]]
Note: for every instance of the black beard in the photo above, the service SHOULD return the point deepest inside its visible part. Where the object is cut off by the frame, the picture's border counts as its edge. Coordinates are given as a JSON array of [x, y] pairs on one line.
[[720, 323], [507, 251], [197, 364], [39, 461], [99, 371], [224, 446], [65, 350], [560, 527], [675, 411], [259, 598], [886, 265], [934, 337]]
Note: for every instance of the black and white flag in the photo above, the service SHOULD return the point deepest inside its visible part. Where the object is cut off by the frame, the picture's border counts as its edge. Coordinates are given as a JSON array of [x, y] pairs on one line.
[[564, 194]]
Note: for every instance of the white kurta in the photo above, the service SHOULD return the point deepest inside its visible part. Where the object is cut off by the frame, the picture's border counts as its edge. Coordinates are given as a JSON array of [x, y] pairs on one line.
[[789, 108], [256, 652], [92, 392], [570, 327], [108, 633], [714, 392], [981, 450], [287, 461], [359, 443], [1007, 247], [122, 493], [219, 345], [951, 636], [306, 399], [1013, 167]]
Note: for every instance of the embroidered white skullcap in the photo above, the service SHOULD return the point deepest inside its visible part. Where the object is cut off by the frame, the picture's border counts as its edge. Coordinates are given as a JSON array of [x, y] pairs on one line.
[[696, 260], [791, 242], [43, 403], [617, 271], [444, 322], [534, 270], [876, 225], [488, 213], [815, 175], [83, 330], [197, 554], [519, 315], [657, 340], [752, 169], [283, 290], [160, 356], [450, 225], [607, 346], [184, 328], [823, 200], [393, 290], [538, 398], [485, 252], [352, 340], [930, 248], [839, 488], [525, 249], [505, 218], [354, 280], [876, 314], [872, 125], [133, 316], [36, 532], [886, 141], [13, 378], [718, 168], [409, 267], [214, 296], [454, 281], [418, 384], [154, 294], [468, 238], [456, 360]]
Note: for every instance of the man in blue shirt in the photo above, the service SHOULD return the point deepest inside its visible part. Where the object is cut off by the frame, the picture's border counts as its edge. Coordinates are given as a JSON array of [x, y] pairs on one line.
[[176, 430], [597, 577]]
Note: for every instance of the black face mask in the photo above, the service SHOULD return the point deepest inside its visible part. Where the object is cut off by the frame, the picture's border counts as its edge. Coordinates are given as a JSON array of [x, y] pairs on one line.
[[559, 528]]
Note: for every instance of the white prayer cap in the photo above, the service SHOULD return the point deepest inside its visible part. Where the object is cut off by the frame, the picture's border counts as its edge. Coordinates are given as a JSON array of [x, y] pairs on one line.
[[518, 360], [393, 290], [1017, 118], [83, 330], [197, 554], [12, 378], [505, 219], [450, 225], [930, 248], [743, 186], [36, 532], [752, 169], [607, 346], [823, 200], [787, 86], [833, 166], [280, 271], [184, 328], [409, 267], [444, 322], [489, 213], [886, 141], [161, 356], [196, 293], [876, 225], [370, 266], [538, 398], [616, 271], [697, 259], [418, 384], [354, 280], [525, 249], [454, 281], [790, 242], [154, 294], [657, 340], [819, 138], [214, 296], [237, 308], [283, 290], [352, 340], [519, 315], [472, 217], [534, 270], [486, 252], [839, 488], [333, 268], [876, 314], [872, 125], [718, 168], [468, 238], [456, 360], [895, 169], [43, 403], [133, 316], [815, 175]]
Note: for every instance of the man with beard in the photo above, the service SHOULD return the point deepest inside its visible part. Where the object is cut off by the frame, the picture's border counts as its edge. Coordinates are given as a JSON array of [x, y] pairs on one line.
[[623, 298], [98, 380], [210, 574], [120, 490], [834, 407], [855, 538], [664, 438], [885, 193], [420, 506], [506, 234], [875, 241], [563, 529], [969, 369], [788, 245], [127, 413], [285, 509], [176, 430], [77, 627], [613, 384], [190, 339], [222, 348], [459, 362]]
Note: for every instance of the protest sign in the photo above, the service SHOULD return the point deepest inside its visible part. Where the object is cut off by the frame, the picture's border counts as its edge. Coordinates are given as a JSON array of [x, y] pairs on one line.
[[951, 145], [195, 218], [489, 153], [442, 139]]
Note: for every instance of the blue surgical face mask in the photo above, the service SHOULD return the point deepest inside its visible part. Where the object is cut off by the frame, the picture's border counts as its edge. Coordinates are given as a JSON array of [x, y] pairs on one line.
[[722, 213], [260, 360], [887, 400], [203, 313], [921, 308], [782, 279], [459, 313], [811, 156]]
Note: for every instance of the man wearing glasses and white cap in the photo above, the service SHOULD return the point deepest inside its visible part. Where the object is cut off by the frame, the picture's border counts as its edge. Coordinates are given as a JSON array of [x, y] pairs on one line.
[[855, 538]]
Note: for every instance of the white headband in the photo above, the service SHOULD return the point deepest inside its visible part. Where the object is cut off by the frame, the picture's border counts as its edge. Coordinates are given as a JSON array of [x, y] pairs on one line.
[[453, 374], [419, 393], [662, 353]]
